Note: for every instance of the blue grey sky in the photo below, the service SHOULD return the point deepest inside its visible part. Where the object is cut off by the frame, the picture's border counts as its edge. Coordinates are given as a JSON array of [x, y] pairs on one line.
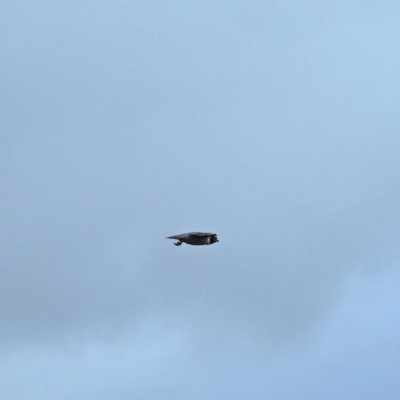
[[273, 124]]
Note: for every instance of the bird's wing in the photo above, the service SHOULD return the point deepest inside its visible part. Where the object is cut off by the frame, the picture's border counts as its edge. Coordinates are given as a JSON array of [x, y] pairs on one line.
[[185, 235], [201, 234], [181, 236]]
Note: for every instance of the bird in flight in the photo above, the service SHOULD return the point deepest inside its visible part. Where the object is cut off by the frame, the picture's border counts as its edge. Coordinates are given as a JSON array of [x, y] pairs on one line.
[[195, 238]]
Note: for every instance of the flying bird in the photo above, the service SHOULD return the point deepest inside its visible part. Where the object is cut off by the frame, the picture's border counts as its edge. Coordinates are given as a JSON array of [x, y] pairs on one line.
[[195, 238]]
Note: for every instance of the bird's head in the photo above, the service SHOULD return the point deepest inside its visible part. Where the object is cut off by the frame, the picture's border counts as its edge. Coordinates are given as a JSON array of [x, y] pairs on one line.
[[214, 239]]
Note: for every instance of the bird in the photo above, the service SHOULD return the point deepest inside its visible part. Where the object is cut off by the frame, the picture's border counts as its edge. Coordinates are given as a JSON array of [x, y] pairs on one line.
[[195, 238]]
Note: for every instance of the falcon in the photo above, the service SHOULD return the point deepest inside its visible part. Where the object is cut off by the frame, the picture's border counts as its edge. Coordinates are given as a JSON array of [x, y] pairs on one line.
[[195, 238]]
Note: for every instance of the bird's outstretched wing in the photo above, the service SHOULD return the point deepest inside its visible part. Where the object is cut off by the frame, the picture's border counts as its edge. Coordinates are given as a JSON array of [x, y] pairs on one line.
[[201, 234], [181, 236], [185, 235]]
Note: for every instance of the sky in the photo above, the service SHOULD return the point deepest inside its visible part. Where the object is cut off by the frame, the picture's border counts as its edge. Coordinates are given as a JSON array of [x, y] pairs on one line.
[[274, 125]]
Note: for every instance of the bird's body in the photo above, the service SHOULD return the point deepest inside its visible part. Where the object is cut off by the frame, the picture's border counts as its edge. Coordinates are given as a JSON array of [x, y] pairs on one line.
[[195, 238]]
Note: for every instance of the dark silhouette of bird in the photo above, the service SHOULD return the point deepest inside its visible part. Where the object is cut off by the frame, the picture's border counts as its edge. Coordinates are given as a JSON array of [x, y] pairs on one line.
[[195, 238]]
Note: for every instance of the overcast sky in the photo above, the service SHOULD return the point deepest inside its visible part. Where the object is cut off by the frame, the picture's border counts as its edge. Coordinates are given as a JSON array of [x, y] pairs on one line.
[[274, 124]]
